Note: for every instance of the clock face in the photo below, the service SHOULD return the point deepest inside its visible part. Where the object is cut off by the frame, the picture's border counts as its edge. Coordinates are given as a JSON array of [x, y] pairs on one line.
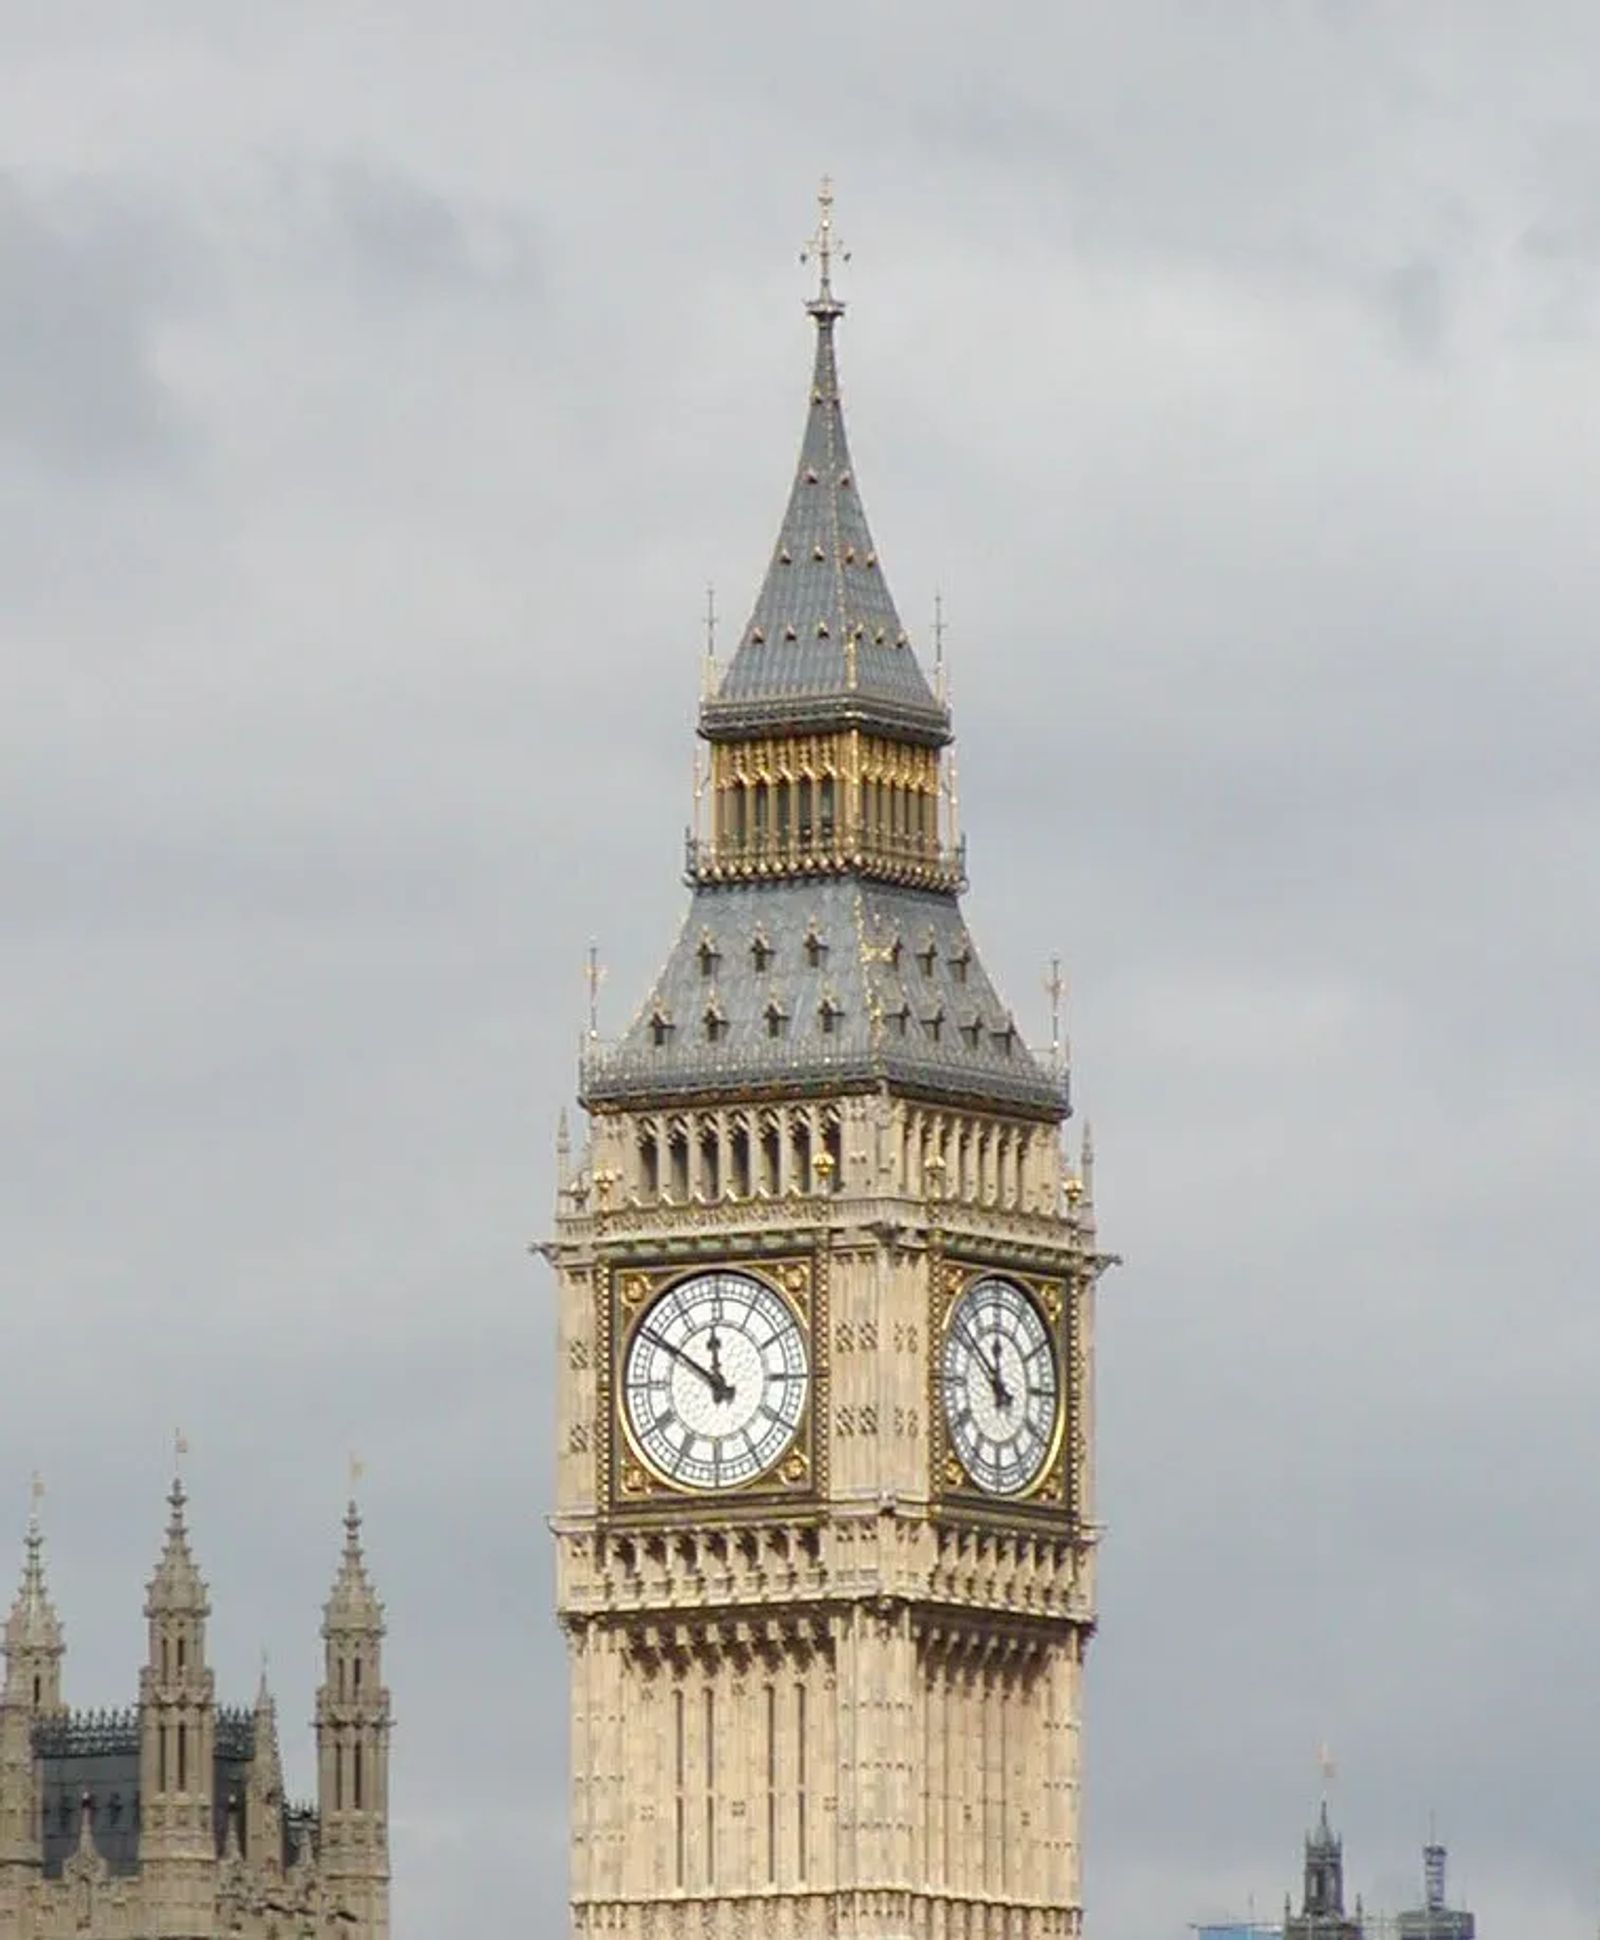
[[1001, 1394], [714, 1380]]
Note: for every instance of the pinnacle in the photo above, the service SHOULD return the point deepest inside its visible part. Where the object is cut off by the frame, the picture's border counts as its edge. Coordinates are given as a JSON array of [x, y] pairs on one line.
[[33, 1624], [177, 1584], [353, 1604]]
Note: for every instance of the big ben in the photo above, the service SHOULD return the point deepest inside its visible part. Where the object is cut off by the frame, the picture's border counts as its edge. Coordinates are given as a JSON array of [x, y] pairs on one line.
[[825, 1283]]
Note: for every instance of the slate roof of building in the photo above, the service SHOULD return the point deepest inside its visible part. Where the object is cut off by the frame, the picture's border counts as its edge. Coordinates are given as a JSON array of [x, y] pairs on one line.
[[819, 983], [825, 643], [96, 1755]]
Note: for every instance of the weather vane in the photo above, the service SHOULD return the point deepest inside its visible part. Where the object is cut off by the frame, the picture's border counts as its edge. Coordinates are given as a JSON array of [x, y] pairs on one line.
[[594, 975], [824, 243], [1055, 988]]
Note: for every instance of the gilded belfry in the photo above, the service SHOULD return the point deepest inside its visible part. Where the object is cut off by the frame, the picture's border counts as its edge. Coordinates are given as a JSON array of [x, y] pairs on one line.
[[169, 1820], [825, 1290]]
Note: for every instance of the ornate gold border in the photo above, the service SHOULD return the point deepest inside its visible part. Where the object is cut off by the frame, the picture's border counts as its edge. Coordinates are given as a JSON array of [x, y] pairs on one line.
[[1055, 1487], [629, 1480]]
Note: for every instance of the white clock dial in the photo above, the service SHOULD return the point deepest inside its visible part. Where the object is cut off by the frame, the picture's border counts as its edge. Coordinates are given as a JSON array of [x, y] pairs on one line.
[[1001, 1391], [714, 1380]]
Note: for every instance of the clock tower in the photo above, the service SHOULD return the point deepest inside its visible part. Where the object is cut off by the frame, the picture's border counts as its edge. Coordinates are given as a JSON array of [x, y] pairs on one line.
[[825, 1289]]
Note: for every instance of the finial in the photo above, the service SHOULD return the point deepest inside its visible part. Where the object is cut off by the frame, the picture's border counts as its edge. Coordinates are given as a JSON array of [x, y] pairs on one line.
[[352, 1515], [820, 249], [1055, 988], [176, 1496], [594, 975]]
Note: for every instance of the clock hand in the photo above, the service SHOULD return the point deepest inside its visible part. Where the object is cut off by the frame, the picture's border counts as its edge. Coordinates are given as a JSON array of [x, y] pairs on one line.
[[1002, 1394], [720, 1391], [971, 1339], [723, 1391]]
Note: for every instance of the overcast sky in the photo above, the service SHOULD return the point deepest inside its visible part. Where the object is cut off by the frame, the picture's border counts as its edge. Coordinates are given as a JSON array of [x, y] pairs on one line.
[[379, 389]]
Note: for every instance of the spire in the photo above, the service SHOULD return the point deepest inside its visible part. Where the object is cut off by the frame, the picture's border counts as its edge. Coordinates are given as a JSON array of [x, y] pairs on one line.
[[33, 1624], [33, 1637], [177, 1585], [353, 1604], [825, 643], [267, 1764]]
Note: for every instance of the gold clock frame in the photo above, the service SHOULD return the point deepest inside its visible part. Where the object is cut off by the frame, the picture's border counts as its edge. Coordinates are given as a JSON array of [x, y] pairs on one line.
[[626, 1482], [1056, 1489]]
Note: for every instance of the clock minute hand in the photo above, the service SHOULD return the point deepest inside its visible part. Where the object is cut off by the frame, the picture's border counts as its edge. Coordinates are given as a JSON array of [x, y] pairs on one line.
[[978, 1355], [714, 1382]]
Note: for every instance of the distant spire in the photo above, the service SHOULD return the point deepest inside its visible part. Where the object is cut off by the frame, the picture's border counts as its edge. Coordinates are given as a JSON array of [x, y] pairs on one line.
[[266, 1771], [177, 1584], [33, 1626], [353, 1604]]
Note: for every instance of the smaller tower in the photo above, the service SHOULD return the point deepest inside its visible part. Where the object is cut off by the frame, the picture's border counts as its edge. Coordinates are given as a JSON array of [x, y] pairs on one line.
[[1322, 1915], [263, 1799], [34, 1647], [177, 1742], [1435, 1919], [353, 1747]]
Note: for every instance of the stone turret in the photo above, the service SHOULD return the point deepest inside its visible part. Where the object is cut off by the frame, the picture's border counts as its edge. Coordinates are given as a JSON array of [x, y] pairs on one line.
[[177, 1741], [263, 1801], [34, 1647], [353, 1746]]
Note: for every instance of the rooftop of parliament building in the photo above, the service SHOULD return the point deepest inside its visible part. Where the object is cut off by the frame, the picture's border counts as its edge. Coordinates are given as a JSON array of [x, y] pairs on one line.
[[169, 1815]]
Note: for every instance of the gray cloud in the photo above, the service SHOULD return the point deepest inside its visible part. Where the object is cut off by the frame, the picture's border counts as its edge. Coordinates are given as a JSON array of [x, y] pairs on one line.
[[374, 410], [86, 277]]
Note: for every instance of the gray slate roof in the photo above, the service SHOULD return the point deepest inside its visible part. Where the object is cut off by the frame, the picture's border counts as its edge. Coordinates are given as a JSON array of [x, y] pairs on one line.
[[98, 1753], [825, 643], [851, 1009]]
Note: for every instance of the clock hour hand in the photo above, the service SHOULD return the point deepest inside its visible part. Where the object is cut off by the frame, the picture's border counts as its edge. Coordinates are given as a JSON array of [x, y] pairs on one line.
[[1002, 1394], [720, 1391], [724, 1389]]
